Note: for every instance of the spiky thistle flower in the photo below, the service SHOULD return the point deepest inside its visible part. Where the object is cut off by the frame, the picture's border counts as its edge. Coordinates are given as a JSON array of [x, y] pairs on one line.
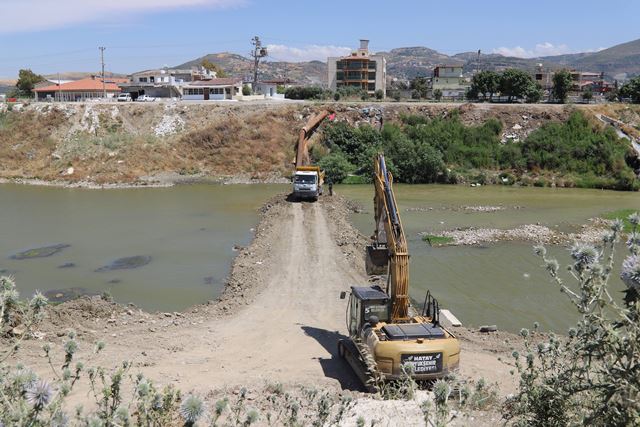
[[70, 347], [617, 226], [441, 391], [252, 417], [634, 218], [552, 266], [191, 409], [38, 302], [540, 250], [631, 272], [39, 394], [633, 242], [7, 283], [144, 388], [584, 255]]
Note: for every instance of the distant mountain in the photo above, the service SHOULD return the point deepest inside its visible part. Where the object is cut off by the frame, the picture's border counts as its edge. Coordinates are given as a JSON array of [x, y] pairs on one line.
[[411, 62], [619, 59], [312, 72], [79, 75]]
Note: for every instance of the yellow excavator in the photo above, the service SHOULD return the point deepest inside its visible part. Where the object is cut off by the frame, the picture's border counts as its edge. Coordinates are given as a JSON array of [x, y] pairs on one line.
[[308, 179], [388, 338]]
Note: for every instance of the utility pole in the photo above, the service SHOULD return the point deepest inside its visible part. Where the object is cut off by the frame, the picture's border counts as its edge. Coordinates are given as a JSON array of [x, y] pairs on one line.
[[59, 89], [257, 53], [104, 86]]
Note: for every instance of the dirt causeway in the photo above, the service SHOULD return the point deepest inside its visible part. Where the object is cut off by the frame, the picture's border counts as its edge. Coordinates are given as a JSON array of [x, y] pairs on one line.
[[278, 320]]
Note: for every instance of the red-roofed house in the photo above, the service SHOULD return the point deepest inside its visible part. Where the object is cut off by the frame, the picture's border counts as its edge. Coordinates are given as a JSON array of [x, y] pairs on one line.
[[79, 90]]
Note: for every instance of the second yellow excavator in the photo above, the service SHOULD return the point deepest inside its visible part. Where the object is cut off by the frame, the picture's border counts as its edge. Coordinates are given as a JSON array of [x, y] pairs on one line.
[[388, 338]]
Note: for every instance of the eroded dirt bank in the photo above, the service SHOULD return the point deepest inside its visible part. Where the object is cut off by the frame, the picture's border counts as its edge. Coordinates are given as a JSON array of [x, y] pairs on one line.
[[162, 143], [278, 320]]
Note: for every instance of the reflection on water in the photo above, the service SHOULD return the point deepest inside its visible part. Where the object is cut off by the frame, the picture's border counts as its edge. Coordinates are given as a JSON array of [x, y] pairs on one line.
[[180, 239], [504, 283]]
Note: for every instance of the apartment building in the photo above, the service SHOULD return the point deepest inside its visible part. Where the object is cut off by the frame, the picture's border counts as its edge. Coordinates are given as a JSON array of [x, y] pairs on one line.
[[361, 69]]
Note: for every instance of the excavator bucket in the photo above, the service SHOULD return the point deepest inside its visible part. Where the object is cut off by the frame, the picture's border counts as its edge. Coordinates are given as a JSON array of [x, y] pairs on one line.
[[377, 261]]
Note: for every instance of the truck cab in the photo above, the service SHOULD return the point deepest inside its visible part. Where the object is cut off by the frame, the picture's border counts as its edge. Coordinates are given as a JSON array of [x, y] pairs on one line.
[[307, 183]]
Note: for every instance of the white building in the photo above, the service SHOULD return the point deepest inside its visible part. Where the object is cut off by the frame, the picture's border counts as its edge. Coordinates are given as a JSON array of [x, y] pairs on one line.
[[165, 82], [449, 80], [213, 89]]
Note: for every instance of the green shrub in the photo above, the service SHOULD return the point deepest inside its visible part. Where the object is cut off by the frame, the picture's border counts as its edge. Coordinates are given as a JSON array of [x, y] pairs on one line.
[[336, 167], [246, 90]]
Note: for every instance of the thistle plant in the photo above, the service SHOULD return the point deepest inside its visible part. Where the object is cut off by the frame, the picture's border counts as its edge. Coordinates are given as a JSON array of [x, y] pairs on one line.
[[18, 319], [591, 376], [191, 409]]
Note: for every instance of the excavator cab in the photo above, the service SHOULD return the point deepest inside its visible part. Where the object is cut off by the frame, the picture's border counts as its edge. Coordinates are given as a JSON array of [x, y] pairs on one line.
[[365, 302]]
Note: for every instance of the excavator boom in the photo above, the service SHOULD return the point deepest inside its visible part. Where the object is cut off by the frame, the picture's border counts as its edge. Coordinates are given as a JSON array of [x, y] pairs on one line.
[[389, 237]]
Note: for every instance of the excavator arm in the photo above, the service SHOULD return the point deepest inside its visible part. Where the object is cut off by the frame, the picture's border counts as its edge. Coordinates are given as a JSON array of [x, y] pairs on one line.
[[389, 237], [302, 148]]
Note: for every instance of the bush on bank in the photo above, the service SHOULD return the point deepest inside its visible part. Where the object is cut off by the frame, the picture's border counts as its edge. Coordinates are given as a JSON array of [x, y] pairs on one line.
[[423, 150]]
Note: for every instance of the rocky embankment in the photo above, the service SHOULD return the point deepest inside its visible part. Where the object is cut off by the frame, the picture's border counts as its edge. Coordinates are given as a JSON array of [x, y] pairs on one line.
[[593, 232]]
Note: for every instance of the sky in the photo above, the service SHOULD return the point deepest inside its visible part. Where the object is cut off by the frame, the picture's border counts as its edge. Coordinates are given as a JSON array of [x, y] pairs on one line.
[[56, 36]]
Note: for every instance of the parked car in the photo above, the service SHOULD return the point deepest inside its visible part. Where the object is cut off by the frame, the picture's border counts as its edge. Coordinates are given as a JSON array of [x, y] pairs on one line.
[[124, 97], [145, 98]]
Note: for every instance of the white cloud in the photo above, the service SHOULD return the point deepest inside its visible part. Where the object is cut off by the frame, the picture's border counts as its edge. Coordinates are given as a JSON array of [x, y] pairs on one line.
[[312, 52], [541, 49], [36, 15]]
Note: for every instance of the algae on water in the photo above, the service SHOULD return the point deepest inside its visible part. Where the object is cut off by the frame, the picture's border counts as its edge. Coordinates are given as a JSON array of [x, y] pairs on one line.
[[42, 252], [127, 263]]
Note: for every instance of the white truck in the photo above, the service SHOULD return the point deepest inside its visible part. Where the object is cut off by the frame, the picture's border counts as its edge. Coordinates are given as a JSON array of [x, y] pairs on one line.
[[307, 182], [308, 179]]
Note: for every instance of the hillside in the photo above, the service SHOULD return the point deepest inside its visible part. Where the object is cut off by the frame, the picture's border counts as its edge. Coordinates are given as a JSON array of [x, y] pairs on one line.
[[622, 58], [313, 72], [409, 62]]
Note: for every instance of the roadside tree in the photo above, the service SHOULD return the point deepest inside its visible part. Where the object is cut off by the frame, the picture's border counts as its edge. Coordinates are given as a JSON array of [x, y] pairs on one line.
[[485, 82], [587, 95], [631, 90], [421, 86], [27, 80], [515, 83], [437, 94], [561, 85], [534, 94], [379, 94]]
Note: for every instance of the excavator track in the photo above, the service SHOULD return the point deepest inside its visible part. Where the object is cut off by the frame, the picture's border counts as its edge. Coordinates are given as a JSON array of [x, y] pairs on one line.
[[362, 363]]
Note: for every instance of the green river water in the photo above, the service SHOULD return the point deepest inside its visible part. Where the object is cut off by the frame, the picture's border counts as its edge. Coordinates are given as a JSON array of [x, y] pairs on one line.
[[500, 284], [189, 233]]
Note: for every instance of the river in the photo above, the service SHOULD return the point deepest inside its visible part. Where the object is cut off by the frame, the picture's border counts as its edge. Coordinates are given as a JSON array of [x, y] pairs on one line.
[[189, 233], [499, 284]]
